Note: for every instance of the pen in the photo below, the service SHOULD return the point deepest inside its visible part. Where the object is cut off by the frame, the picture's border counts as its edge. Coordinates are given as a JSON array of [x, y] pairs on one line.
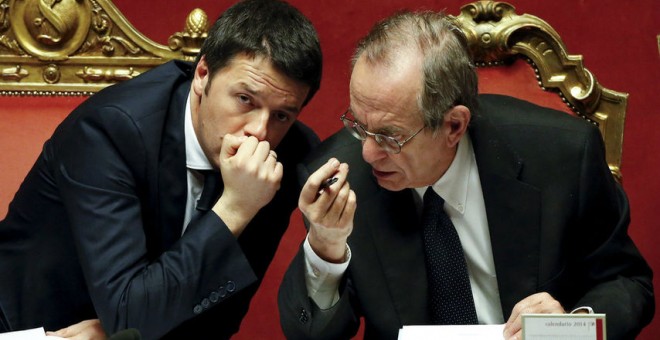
[[328, 182]]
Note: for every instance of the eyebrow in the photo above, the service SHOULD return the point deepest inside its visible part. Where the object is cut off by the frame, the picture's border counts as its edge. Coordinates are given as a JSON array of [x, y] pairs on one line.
[[290, 109], [385, 130]]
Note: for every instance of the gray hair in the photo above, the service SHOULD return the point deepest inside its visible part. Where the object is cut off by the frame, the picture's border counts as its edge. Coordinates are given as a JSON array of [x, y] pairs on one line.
[[449, 76]]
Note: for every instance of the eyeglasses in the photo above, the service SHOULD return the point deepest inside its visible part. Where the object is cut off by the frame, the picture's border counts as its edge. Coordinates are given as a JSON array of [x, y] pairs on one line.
[[389, 144]]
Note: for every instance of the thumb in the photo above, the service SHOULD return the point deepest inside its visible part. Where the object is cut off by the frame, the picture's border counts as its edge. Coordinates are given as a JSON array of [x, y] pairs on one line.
[[63, 332]]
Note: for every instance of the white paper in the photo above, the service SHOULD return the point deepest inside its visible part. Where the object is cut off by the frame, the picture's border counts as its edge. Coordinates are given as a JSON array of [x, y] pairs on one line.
[[28, 334], [476, 332]]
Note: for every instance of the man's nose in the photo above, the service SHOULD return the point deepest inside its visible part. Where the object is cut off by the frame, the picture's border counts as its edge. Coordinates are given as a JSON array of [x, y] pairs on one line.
[[371, 151], [258, 125]]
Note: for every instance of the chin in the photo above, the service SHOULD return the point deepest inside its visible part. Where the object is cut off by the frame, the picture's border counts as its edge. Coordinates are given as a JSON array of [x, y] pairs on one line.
[[390, 185]]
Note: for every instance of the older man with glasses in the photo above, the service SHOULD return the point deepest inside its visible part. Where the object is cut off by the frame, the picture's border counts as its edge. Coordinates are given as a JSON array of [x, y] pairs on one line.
[[461, 208]]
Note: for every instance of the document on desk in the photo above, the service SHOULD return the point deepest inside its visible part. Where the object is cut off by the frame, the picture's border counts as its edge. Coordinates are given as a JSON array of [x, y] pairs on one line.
[[471, 332], [28, 334]]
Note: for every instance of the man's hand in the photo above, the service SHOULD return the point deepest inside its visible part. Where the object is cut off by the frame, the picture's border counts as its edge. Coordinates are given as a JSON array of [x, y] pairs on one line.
[[84, 330], [329, 213], [539, 303], [251, 175]]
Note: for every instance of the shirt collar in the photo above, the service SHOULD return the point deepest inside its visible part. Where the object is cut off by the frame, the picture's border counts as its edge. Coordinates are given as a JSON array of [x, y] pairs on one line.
[[453, 185], [195, 158]]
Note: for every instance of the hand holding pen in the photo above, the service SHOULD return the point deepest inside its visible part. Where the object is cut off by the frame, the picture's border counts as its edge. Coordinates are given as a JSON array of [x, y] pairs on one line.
[[328, 204]]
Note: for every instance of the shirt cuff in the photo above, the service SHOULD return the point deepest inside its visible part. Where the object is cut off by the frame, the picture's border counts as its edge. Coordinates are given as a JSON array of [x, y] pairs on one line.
[[322, 278]]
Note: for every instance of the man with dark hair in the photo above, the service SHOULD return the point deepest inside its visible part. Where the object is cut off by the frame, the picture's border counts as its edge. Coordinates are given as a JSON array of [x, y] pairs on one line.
[[461, 209], [158, 203]]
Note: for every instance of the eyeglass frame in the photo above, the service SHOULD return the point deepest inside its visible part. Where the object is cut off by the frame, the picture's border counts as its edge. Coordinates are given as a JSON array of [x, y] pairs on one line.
[[351, 124]]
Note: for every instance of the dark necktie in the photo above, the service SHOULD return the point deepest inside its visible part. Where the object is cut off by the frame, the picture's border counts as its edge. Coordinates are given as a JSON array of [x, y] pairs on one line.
[[211, 190], [451, 301]]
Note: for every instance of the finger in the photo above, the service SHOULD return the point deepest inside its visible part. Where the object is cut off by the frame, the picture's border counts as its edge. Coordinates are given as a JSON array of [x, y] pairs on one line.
[[270, 161], [63, 332], [272, 154], [67, 332], [311, 187], [262, 151], [247, 148], [513, 326], [326, 184], [278, 173], [513, 323], [328, 193], [539, 303], [339, 204], [518, 335], [349, 209], [230, 145], [71, 330]]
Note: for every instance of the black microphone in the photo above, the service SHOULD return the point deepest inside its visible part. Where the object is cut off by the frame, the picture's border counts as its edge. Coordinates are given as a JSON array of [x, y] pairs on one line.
[[126, 334]]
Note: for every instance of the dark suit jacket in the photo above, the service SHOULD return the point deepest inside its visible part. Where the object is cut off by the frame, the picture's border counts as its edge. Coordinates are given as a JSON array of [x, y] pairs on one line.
[[557, 221], [95, 228]]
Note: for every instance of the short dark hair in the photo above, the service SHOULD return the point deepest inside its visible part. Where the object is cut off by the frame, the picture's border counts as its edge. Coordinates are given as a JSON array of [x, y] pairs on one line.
[[268, 28]]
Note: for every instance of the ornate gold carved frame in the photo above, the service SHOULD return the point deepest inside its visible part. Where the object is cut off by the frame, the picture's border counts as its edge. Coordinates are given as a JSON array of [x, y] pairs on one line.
[[496, 34], [72, 47]]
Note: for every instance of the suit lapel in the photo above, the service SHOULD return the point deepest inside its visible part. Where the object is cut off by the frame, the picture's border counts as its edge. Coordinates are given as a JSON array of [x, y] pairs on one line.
[[172, 183], [513, 212], [397, 239]]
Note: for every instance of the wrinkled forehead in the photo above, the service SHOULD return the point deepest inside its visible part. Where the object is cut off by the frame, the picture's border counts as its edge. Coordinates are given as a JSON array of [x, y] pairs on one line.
[[391, 89]]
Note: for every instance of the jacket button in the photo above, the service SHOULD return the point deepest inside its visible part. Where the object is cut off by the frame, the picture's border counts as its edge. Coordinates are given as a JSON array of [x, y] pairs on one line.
[[214, 297], [222, 291], [303, 316], [231, 286], [197, 309], [206, 303]]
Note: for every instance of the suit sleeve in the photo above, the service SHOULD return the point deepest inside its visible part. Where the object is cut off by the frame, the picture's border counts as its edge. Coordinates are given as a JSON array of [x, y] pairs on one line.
[[130, 286], [300, 317], [619, 279]]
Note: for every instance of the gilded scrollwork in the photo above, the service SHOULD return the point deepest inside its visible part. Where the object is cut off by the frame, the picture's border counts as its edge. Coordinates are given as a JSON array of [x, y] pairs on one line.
[[496, 35], [80, 46], [4, 15], [190, 40], [488, 10], [107, 41], [101, 23], [51, 74], [50, 29], [107, 45], [15, 73], [91, 74], [6, 41]]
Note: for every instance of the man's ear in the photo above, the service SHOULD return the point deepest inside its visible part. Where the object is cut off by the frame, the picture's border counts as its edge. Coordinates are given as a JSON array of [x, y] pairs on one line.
[[455, 122], [201, 77]]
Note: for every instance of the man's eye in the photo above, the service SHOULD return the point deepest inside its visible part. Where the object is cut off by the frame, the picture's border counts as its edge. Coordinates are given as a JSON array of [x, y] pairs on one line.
[[282, 117], [244, 99], [390, 134]]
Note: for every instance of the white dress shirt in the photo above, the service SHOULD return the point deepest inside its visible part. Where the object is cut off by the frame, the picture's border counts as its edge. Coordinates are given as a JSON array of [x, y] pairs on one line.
[[195, 160], [460, 187]]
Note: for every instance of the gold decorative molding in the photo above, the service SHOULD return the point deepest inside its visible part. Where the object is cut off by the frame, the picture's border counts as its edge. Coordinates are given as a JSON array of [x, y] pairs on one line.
[[496, 35], [77, 47]]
